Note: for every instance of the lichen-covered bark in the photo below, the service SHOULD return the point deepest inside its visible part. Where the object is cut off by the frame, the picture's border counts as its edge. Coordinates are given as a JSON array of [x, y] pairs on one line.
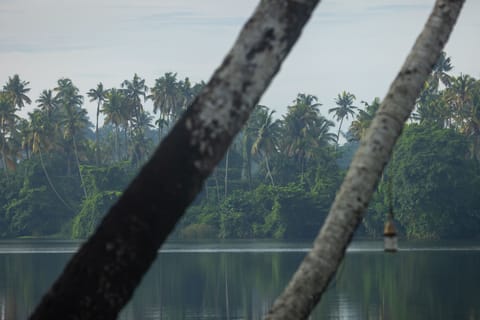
[[101, 277], [312, 277]]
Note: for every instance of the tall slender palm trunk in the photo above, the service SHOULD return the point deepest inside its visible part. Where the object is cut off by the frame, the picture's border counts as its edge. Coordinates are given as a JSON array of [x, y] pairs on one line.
[[97, 143], [126, 142], [4, 141], [246, 161], [118, 155], [226, 174], [269, 172], [78, 166], [339, 130], [217, 185], [50, 183]]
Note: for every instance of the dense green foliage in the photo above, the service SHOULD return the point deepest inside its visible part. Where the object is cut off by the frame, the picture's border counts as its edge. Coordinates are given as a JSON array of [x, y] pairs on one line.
[[59, 175], [434, 184]]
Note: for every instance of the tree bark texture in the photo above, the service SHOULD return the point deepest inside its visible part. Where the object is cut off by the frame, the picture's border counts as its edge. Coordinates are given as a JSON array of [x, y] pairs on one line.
[[101, 277], [312, 277]]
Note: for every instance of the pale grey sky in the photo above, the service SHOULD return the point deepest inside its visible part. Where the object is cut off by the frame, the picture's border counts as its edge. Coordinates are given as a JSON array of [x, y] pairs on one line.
[[356, 46]]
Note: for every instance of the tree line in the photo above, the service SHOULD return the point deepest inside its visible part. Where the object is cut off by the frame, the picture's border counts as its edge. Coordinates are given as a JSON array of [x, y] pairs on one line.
[[61, 173]]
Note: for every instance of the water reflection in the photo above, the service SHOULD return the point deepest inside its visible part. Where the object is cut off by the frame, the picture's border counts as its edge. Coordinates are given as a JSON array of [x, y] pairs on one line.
[[241, 280]]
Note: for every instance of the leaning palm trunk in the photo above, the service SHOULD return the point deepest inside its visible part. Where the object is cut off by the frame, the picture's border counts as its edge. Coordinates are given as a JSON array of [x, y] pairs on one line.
[[78, 166], [50, 183], [269, 172], [339, 130], [312, 277], [125, 132], [4, 141], [101, 277], [118, 156]]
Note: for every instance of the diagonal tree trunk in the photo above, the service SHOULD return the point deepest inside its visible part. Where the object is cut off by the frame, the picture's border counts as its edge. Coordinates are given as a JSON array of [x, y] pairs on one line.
[[52, 186], [269, 172], [312, 277], [100, 279], [338, 134], [75, 151]]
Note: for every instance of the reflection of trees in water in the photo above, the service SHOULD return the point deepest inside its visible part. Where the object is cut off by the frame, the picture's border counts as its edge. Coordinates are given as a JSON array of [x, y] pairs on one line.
[[24, 278], [408, 285], [3, 307], [245, 284], [413, 285]]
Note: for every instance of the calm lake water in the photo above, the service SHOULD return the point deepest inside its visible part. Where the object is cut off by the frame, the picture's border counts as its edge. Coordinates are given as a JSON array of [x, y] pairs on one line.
[[240, 280]]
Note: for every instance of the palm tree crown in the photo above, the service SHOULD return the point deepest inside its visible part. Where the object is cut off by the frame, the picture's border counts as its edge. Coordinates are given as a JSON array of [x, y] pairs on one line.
[[267, 137], [440, 71], [97, 94], [344, 109], [17, 90], [47, 102], [165, 95]]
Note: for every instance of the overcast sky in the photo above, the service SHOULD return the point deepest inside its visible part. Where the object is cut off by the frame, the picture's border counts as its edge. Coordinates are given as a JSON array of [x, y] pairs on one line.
[[356, 46]]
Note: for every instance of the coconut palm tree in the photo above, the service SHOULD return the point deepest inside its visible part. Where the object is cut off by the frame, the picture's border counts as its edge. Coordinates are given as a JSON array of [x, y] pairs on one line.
[[7, 122], [463, 97], [134, 91], [73, 122], [267, 138], [116, 113], [359, 126], [18, 90], [247, 135], [322, 137], [472, 127], [459, 99], [432, 107], [41, 130], [140, 145], [24, 137], [47, 102], [73, 118], [97, 94], [307, 99], [344, 109], [440, 71], [298, 123], [185, 93], [165, 95]]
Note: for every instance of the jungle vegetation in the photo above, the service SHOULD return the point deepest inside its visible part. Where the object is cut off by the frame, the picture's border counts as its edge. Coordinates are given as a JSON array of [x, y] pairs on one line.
[[60, 172]]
